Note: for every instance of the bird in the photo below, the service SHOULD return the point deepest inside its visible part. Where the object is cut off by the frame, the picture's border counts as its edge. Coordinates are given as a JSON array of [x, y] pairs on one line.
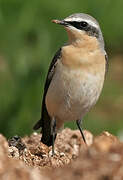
[[75, 77]]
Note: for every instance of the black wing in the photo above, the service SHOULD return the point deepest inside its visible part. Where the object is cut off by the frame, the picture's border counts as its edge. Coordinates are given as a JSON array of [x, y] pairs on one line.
[[106, 59], [45, 121]]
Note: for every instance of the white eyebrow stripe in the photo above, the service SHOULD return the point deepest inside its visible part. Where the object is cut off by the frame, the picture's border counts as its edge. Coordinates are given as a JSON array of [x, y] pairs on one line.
[[92, 23], [80, 19]]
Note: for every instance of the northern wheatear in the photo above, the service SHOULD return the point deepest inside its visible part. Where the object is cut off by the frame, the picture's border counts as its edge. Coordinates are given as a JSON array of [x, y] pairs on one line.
[[75, 77]]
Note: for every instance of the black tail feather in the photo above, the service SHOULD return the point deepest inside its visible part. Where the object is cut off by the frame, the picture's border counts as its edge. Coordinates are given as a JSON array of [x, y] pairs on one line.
[[37, 125], [45, 124], [47, 137], [48, 141]]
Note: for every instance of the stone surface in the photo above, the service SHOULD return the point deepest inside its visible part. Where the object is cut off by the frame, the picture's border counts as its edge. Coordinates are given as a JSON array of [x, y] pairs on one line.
[[100, 159]]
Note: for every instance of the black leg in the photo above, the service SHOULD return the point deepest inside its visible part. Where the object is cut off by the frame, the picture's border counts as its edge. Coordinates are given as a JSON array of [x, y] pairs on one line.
[[53, 132], [78, 122]]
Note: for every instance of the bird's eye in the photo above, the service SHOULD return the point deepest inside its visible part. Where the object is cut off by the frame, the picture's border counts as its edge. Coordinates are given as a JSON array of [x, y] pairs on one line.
[[83, 24]]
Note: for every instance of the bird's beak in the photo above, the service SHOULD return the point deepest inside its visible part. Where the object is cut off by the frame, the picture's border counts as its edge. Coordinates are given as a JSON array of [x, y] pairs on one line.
[[61, 22]]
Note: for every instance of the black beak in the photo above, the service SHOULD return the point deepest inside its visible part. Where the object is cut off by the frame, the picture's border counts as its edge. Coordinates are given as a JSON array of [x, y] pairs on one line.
[[61, 22]]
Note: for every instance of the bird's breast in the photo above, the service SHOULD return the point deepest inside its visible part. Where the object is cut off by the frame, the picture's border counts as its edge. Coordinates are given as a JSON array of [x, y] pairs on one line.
[[72, 92]]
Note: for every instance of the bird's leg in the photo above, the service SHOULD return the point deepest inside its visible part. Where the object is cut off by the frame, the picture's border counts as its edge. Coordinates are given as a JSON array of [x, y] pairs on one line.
[[78, 122], [53, 132]]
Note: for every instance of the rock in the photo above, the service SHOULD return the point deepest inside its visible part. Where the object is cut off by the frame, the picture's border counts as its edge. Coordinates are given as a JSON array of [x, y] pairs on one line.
[[101, 158]]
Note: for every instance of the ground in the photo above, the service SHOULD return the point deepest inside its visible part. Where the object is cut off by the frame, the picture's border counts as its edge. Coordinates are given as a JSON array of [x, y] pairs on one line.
[[28, 159]]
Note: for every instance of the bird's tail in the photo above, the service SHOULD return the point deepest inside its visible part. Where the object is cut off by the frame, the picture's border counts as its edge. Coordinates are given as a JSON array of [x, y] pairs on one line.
[[38, 125], [45, 124], [46, 130]]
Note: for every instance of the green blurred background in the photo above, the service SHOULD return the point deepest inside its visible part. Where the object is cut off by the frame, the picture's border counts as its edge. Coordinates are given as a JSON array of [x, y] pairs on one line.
[[28, 41]]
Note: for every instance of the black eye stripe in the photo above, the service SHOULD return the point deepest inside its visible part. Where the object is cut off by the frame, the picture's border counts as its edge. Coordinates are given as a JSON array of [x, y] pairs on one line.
[[83, 25], [79, 25]]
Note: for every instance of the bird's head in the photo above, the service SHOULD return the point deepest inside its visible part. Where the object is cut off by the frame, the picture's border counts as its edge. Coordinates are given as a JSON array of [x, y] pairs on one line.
[[81, 26]]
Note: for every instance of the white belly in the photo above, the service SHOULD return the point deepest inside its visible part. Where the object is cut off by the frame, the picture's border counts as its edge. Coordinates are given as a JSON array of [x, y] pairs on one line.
[[72, 93]]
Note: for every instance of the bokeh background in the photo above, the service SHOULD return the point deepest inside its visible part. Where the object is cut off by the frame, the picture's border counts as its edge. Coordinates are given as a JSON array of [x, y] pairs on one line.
[[28, 41]]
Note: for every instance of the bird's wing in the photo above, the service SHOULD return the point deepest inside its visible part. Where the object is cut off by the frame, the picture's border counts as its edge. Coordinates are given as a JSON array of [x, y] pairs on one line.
[[106, 59], [51, 70], [45, 121]]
